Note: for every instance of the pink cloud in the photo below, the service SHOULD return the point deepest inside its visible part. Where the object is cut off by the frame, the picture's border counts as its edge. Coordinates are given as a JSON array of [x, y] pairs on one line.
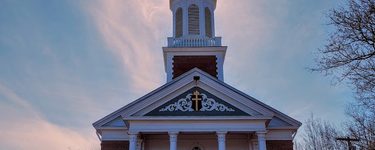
[[24, 128], [131, 30]]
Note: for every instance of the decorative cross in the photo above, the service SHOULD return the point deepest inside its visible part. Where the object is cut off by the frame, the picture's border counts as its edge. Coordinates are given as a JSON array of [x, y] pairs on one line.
[[196, 99]]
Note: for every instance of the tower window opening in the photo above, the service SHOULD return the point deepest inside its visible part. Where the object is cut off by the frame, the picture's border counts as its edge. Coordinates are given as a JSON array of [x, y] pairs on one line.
[[208, 22], [179, 22], [193, 13]]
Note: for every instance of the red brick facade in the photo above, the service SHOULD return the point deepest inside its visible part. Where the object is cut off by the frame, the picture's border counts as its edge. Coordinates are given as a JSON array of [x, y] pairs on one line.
[[182, 64], [279, 145], [115, 145]]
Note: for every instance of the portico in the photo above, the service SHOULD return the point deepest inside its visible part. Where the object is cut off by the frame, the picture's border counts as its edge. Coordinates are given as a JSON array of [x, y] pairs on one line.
[[219, 126], [201, 140]]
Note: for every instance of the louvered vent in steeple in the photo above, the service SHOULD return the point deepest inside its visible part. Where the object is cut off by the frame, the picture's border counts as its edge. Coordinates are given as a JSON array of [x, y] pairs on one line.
[[208, 22], [193, 19], [179, 22]]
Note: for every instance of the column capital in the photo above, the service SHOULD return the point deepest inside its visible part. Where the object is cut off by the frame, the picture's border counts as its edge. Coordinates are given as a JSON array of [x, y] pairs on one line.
[[173, 136], [173, 140], [221, 135], [173, 132], [261, 133], [262, 140], [221, 139], [133, 136], [221, 132], [133, 132]]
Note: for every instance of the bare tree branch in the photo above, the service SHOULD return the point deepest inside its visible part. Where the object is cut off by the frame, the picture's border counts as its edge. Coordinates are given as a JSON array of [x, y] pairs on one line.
[[350, 55]]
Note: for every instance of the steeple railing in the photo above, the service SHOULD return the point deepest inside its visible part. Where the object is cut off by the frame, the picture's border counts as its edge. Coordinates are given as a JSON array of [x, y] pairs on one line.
[[194, 42]]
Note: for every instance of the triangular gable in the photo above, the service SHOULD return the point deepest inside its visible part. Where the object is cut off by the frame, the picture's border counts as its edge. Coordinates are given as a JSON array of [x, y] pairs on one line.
[[185, 82], [118, 122], [197, 102], [277, 122]]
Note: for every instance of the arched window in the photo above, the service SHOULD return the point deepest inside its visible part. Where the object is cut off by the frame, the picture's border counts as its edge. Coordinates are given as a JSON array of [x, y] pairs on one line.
[[193, 12], [208, 22], [179, 22]]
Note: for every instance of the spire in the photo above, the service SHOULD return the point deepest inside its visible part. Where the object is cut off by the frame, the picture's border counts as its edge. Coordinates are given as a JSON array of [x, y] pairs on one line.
[[194, 43]]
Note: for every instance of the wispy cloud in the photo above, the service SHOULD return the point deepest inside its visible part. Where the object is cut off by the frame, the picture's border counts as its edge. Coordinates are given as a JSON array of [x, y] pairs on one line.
[[269, 46], [131, 30], [25, 128]]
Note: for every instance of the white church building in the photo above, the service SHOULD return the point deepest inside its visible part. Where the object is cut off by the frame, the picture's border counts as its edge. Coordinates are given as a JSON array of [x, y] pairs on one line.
[[196, 109]]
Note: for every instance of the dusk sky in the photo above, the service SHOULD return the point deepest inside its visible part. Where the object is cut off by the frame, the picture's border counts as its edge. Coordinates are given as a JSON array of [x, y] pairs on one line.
[[65, 64]]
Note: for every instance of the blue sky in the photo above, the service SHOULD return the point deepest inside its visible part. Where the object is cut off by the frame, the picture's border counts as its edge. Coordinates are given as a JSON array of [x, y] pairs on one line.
[[65, 64]]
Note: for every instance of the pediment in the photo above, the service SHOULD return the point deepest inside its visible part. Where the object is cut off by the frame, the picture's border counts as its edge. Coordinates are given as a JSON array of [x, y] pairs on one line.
[[117, 122], [197, 102], [176, 99], [277, 122]]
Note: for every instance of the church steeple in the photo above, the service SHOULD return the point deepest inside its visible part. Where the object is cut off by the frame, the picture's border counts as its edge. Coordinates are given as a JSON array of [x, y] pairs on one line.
[[193, 18], [194, 43]]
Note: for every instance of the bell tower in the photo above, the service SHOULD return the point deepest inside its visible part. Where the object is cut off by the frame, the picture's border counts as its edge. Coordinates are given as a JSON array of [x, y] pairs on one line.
[[193, 44]]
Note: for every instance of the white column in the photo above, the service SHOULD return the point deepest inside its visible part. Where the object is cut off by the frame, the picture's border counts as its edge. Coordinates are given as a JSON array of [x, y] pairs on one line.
[[219, 66], [213, 22], [185, 16], [262, 140], [174, 21], [221, 139], [202, 21], [133, 141], [173, 140], [169, 67]]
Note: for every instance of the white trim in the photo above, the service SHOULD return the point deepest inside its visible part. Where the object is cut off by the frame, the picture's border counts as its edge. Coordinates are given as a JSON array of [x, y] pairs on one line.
[[176, 3], [228, 88], [286, 134], [233, 98], [185, 82], [158, 126], [196, 118], [156, 102], [114, 135], [170, 52], [239, 102], [114, 128]]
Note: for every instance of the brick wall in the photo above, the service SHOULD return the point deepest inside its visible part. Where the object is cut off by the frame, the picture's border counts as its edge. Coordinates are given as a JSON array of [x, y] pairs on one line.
[[115, 145], [182, 64], [279, 145]]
